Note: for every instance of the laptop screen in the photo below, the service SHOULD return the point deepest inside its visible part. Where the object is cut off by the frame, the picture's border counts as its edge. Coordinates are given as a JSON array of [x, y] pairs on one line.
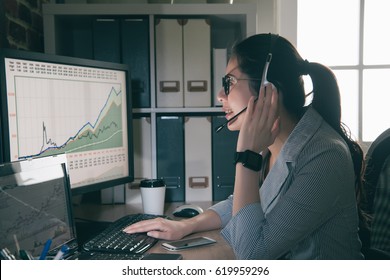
[[35, 205]]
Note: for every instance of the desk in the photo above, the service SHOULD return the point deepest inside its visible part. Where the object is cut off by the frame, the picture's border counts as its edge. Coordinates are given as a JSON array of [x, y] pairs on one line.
[[219, 251]]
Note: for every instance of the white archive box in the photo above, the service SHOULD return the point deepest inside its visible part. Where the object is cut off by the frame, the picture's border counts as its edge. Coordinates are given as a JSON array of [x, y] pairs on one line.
[[142, 157], [183, 63], [219, 70], [169, 63], [197, 63], [198, 159]]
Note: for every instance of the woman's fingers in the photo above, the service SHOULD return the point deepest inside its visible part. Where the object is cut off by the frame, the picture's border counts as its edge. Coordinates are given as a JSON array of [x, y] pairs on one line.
[[266, 109], [158, 228], [145, 226], [261, 124]]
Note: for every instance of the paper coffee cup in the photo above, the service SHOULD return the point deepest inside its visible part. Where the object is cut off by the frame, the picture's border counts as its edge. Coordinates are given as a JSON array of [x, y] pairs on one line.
[[153, 196]]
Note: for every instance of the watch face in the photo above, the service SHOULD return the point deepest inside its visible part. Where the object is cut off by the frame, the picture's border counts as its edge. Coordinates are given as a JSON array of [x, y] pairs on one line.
[[250, 160]]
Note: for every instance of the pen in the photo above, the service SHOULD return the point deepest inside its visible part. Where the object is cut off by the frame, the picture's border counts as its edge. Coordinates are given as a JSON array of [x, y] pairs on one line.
[[16, 243], [6, 254], [25, 255], [64, 249], [45, 250]]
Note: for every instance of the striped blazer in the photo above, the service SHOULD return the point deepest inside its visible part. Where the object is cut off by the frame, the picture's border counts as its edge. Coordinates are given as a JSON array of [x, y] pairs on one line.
[[307, 207]]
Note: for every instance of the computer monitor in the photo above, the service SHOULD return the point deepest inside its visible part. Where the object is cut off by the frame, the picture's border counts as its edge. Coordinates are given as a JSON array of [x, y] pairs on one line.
[[35, 205], [54, 104]]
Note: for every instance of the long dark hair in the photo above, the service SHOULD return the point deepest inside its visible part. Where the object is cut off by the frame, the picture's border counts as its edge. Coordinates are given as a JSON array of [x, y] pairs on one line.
[[285, 72]]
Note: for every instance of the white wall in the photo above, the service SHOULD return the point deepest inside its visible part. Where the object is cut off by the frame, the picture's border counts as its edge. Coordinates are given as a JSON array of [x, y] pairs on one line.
[[276, 16], [286, 17]]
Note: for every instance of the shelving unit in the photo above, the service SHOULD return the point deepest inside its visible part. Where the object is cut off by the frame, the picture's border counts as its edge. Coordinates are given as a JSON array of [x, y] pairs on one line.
[[228, 23]]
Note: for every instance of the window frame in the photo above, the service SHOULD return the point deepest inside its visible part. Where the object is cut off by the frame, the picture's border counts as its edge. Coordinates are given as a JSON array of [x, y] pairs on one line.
[[287, 26]]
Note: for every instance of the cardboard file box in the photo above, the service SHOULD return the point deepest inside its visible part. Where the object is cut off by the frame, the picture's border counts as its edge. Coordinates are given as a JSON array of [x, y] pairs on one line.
[[126, 41], [219, 70], [183, 63], [77, 41], [198, 159], [197, 63], [142, 146], [169, 63], [135, 53], [170, 156], [106, 40], [223, 146]]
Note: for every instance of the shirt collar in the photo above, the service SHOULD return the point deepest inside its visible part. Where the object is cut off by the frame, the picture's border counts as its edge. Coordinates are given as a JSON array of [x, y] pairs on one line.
[[301, 134]]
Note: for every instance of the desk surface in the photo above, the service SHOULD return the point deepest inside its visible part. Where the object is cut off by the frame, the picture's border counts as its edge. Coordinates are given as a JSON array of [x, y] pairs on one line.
[[218, 251]]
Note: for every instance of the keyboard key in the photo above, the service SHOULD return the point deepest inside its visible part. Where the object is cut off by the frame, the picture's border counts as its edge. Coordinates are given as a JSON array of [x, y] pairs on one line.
[[114, 240]]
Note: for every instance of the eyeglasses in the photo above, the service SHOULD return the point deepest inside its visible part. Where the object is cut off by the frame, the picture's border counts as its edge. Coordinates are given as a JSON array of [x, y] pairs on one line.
[[228, 82]]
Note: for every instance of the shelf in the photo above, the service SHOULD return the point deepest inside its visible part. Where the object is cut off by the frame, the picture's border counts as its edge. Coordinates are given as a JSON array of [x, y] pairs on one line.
[[206, 110], [68, 30], [222, 10]]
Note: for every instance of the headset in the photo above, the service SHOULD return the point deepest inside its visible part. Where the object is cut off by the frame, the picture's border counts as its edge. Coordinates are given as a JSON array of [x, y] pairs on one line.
[[264, 81]]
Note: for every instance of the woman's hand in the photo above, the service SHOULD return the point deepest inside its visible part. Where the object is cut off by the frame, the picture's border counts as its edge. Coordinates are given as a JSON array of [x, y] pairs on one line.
[[173, 230], [258, 131], [261, 123], [160, 228]]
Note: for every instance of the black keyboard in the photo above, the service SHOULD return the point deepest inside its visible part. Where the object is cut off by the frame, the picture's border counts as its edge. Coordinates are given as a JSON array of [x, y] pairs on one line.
[[106, 256], [114, 240], [123, 256]]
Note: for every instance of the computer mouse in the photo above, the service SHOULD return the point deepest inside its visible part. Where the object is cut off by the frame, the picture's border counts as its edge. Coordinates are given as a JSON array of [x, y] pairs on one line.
[[187, 211]]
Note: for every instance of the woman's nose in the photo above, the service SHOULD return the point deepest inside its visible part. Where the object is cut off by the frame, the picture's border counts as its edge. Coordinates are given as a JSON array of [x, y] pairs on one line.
[[221, 95]]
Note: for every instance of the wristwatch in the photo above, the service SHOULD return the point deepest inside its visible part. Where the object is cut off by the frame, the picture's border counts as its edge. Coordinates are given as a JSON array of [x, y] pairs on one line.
[[249, 159]]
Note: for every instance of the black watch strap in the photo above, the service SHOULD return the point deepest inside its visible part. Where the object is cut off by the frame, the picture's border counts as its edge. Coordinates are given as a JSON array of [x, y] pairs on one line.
[[249, 159]]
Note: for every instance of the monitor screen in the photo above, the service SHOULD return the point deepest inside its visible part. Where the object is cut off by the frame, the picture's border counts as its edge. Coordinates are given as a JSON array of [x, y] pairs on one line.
[[60, 105], [36, 205]]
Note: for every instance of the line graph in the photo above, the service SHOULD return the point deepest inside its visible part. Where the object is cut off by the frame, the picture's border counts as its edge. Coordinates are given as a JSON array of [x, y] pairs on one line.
[[76, 110], [90, 135], [53, 131], [48, 145]]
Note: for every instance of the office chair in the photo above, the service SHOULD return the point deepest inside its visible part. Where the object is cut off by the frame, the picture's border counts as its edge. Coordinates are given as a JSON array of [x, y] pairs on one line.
[[377, 191]]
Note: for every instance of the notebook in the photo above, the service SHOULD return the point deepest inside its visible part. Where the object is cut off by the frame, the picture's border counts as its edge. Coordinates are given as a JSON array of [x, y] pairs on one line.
[[35, 206]]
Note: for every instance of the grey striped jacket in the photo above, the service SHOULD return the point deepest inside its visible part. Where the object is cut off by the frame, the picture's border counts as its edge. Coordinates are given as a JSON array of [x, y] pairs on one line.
[[307, 207]]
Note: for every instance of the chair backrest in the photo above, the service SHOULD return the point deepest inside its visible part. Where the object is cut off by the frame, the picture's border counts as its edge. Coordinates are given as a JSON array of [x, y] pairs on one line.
[[375, 157], [380, 227], [377, 190]]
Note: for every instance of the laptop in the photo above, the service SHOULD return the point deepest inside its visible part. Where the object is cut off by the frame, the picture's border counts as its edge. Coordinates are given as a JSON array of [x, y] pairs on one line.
[[36, 206]]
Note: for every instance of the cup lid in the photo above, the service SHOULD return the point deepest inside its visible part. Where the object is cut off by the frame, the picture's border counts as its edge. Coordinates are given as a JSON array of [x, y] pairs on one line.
[[152, 183]]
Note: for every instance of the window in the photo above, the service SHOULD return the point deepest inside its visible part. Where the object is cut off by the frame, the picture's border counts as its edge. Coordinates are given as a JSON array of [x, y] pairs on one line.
[[350, 37]]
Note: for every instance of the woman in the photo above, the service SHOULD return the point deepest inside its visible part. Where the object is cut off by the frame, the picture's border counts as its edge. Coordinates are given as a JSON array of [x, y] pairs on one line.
[[306, 207]]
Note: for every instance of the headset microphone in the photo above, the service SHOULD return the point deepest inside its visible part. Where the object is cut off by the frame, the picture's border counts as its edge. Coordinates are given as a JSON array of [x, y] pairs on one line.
[[219, 128]]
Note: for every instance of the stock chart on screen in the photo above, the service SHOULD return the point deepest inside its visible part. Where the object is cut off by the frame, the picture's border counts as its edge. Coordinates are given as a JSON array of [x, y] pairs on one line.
[[81, 111]]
